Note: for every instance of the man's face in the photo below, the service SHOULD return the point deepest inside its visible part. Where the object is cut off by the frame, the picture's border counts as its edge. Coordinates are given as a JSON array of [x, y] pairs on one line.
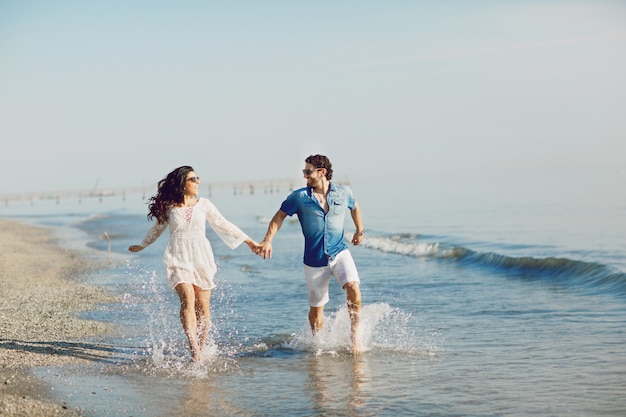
[[313, 175]]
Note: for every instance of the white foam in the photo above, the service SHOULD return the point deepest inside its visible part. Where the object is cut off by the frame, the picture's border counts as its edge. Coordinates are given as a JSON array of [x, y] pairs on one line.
[[381, 327], [389, 245]]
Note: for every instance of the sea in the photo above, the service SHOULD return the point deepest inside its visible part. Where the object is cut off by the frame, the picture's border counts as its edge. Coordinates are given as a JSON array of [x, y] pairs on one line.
[[472, 306]]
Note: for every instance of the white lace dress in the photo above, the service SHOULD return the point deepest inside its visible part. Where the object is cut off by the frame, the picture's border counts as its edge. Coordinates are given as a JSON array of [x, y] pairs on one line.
[[188, 257]]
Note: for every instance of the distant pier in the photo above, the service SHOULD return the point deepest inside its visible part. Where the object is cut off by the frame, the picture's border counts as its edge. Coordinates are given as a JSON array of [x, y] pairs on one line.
[[237, 187]]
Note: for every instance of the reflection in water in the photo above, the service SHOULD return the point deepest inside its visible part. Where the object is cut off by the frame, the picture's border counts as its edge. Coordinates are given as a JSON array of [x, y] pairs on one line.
[[337, 384], [203, 397]]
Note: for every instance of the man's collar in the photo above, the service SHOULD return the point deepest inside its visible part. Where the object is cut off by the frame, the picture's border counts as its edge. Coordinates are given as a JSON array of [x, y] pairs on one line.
[[331, 187]]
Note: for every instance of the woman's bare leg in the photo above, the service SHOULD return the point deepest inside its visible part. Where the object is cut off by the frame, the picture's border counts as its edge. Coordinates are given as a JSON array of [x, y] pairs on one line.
[[188, 318], [203, 314]]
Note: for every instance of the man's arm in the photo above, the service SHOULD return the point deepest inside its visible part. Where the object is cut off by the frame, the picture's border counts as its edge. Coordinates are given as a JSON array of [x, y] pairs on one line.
[[275, 225], [355, 213]]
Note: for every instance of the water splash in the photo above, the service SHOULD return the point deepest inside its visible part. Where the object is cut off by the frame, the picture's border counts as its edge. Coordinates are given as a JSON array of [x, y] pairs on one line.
[[163, 347], [382, 328], [159, 344]]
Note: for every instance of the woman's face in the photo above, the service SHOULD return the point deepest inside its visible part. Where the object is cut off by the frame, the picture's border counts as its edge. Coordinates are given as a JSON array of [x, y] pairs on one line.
[[192, 184]]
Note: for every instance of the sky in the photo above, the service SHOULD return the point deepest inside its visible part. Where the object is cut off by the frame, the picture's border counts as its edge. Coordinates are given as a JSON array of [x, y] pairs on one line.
[[454, 95]]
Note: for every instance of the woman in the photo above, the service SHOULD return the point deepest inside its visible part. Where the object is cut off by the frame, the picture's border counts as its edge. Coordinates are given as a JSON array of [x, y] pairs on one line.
[[188, 258]]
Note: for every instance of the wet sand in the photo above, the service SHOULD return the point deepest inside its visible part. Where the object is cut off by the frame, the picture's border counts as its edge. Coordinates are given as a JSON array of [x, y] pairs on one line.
[[40, 295]]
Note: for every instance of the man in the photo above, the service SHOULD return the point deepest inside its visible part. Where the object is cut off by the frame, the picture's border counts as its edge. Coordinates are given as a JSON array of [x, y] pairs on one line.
[[321, 208]]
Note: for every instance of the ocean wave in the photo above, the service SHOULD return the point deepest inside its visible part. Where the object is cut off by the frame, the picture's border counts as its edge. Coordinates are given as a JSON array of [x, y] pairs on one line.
[[591, 275], [397, 244]]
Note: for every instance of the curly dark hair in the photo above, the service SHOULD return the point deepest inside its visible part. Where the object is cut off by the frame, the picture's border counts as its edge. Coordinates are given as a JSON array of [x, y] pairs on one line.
[[170, 192], [321, 161]]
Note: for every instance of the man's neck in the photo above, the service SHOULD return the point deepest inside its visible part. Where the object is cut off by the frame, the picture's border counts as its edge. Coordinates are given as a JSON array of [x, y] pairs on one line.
[[322, 188]]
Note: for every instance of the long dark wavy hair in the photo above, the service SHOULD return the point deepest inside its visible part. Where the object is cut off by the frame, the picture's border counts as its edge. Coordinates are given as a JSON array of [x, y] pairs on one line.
[[170, 192], [321, 161]]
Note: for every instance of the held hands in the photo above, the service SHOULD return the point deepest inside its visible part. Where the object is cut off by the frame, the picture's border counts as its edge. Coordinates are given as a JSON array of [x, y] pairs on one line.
[[260, 248], [253, 245], [263, 249]]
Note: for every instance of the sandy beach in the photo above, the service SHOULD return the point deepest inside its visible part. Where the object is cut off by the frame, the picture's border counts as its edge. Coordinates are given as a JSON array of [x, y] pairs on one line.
[[40, 293]]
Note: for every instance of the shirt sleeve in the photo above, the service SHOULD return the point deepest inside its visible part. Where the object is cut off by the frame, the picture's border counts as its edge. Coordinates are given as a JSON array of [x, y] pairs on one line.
[[153, 234], [230, 234], [350, 198], [290, 205]]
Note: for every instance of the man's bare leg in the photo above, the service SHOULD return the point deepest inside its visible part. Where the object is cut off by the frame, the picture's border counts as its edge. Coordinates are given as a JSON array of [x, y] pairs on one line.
[[353, 299], [316, 318]]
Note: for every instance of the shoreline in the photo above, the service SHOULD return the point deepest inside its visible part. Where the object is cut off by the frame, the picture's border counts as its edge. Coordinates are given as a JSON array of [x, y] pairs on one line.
[[41, 291]]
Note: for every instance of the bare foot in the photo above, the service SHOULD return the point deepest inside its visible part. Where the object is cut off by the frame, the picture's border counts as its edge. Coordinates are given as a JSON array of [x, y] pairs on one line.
[[196, 355]]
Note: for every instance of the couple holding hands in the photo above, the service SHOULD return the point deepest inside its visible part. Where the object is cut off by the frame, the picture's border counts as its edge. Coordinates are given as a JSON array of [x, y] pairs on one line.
[[189, 262]]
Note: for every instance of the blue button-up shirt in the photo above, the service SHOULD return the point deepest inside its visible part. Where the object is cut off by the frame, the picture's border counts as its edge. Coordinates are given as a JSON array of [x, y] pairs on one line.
[[323, 232]]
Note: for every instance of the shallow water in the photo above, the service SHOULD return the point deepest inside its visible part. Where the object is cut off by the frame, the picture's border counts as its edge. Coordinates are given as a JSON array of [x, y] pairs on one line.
[[506, 311]]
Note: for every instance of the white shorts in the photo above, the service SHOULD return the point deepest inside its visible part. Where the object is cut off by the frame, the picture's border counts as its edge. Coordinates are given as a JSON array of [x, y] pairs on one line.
[[318, 278]]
